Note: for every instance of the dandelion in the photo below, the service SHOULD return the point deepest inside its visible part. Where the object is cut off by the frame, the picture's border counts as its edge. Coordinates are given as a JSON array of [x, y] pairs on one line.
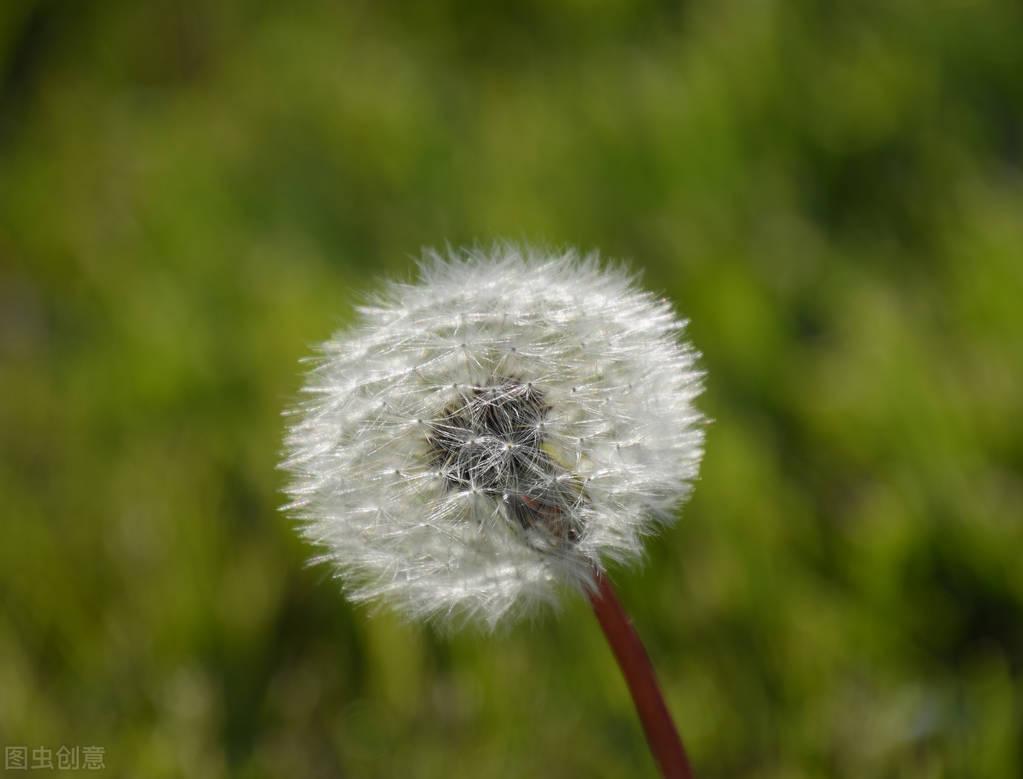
[[499, 430]]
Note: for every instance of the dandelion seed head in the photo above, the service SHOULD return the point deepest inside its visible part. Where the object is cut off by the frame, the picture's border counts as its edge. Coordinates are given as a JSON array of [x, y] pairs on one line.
[[506, 424]]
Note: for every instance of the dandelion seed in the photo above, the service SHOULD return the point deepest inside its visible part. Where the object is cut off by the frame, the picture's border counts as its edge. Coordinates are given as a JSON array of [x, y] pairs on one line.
[[535, 413]]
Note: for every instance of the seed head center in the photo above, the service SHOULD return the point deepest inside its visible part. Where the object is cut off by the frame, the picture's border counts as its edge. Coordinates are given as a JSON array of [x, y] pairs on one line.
[[491, 441]]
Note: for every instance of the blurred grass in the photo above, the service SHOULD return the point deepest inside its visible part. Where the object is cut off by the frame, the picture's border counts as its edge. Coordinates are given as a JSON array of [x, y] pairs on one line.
[[192, 194]]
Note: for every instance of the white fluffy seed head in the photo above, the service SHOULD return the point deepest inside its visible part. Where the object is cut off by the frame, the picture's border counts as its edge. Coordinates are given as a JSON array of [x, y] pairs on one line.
[[512, 421]]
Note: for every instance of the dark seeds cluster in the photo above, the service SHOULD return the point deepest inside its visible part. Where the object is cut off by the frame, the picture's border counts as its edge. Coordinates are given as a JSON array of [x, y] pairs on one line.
[[490, 441]]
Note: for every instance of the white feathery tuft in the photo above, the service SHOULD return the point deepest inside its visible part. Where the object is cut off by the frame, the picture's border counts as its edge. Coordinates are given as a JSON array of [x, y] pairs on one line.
[[510, 422]]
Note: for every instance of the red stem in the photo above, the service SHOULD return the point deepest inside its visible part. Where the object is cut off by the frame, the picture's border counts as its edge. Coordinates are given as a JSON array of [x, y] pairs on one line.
[[632, 658]]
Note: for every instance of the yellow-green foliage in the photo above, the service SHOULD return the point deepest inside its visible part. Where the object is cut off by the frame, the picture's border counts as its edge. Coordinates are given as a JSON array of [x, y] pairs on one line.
[[192, 193]]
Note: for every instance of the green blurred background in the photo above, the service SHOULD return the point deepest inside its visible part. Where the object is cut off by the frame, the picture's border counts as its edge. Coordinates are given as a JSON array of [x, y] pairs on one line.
[[193, 193]]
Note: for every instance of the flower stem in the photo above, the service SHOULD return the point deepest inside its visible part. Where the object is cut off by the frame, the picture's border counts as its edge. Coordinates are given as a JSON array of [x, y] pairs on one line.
[[632, 658]]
